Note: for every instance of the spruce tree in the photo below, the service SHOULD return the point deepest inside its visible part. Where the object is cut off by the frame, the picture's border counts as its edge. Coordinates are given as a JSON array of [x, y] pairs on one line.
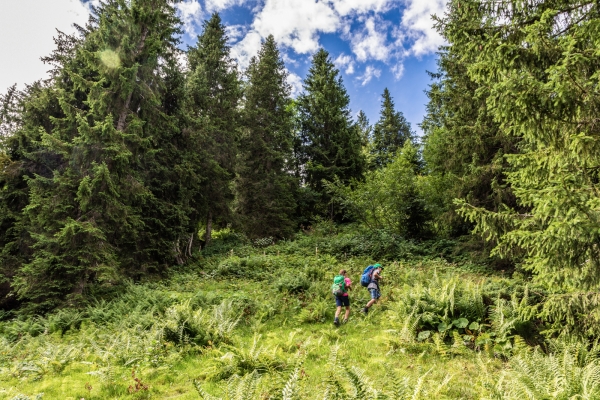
[[464, 148], [539, 62], [213, 94], [87, 218], [364, 128], [389, 133], [264, 185], [330, 147]]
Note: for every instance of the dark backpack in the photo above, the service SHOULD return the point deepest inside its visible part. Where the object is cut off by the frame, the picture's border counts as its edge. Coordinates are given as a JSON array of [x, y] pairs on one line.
[[339, 285], [367, 276]]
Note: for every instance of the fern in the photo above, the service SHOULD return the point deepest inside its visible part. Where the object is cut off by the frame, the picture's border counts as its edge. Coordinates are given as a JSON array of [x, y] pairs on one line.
[[564, 373], [289, 390], [238, 388]]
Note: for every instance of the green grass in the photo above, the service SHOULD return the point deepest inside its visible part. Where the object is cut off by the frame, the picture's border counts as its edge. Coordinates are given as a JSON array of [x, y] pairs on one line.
[[258, 324]]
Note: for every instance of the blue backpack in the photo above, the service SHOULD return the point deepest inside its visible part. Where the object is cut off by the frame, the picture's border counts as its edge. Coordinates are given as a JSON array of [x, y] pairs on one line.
[[366, 276]]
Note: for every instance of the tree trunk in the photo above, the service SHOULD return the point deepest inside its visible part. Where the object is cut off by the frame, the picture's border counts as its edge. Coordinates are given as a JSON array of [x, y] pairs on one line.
[[208, 236], [189, 247]]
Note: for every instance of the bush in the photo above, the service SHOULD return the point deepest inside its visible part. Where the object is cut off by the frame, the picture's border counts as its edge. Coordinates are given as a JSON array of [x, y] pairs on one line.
[[183, 324], [292, 283]]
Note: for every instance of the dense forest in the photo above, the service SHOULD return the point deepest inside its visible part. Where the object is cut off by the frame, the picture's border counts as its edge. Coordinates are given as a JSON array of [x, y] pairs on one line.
[[137, 163]]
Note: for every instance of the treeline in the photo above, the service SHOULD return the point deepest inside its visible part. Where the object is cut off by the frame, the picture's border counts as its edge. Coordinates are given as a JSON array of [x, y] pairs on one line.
[[112, 167]]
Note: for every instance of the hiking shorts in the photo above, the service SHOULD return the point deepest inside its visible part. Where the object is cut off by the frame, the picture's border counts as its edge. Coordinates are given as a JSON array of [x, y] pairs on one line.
[[342, 301], [375, 294]]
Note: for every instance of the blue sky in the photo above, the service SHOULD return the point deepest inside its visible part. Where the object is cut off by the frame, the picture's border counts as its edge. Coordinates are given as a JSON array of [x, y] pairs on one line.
[[374, 43]]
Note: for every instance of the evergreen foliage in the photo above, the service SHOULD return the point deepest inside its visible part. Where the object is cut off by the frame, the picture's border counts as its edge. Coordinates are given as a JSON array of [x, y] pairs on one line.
[[264, 185], [21, 158], [539, 62], [330, 148], [213, 94], [389, 133], [464, 147], [85, 214]]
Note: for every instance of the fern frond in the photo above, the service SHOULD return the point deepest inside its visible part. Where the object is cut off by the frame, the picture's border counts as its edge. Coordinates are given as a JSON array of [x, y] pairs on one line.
[[202, 393], [418, 391], [289, 390]]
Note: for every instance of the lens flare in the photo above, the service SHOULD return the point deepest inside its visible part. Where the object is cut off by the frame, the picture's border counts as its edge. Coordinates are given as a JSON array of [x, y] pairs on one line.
[[110, 59]]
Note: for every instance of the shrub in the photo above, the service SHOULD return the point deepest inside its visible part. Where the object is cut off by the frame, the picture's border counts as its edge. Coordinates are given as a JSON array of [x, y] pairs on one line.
[[292, 283], [183, 324]]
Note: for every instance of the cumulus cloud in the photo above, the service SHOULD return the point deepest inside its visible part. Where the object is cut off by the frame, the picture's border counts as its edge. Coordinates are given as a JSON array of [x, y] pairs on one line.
[[345, 62], [218, 5], [370, 72], [295, 82], [371, 42], [349, 7], [247, 48], [417, 25], [235, 32], [26, 39], [397, 70], [296, 24], [191, 14]]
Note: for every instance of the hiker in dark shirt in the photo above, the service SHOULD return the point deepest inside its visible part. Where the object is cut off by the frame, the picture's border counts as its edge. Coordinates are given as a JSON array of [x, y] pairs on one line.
[[374, 287]]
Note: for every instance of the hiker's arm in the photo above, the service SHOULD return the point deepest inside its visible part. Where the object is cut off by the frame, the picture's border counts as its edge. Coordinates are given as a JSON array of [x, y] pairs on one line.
[[379, 278]]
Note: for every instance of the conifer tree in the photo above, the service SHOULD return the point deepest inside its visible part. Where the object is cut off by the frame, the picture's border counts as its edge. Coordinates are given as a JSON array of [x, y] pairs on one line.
[[87, 219], [330, 145], [390, 132], [214, 92], [364, 128], [264, 185], [464, 147], [540, 63], [21, 158]]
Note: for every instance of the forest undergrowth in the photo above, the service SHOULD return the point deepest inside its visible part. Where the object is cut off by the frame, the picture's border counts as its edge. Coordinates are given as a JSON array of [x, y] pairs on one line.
[[253, 320]]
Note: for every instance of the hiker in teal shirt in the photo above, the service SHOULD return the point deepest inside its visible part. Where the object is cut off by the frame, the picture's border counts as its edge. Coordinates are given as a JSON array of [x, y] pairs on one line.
[[342, 299]]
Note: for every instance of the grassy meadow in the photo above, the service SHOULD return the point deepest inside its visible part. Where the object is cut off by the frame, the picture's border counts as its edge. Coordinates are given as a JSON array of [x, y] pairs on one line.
[[254, 321]]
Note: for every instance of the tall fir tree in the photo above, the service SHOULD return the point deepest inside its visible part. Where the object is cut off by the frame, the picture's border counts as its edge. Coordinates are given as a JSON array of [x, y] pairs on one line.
[[463, 146], [87, 217], [330, 147], [538, 61], [389, 133], [265, 185], [24, 115], [364, 128], [213, 92]]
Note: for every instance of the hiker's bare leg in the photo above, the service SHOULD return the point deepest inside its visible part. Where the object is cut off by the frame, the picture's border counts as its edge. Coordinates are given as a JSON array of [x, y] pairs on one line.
[[347, 313], [371, 302], [338, 311]]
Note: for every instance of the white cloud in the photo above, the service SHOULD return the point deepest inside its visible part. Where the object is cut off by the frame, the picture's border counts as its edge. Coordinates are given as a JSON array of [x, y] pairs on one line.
[[370, 72], [295, 82], [371, 43], [235, 32], [247, 48], [398, 70], [218, 5], [344, 61], [26, 29], [296, 23], [191, 14], [418, 25], [348, 7]]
